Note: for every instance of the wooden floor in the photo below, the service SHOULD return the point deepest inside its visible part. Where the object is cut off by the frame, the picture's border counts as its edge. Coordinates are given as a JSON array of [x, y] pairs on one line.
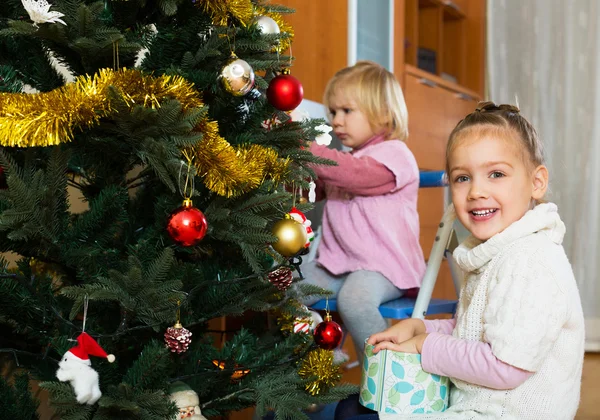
[[589, 407]]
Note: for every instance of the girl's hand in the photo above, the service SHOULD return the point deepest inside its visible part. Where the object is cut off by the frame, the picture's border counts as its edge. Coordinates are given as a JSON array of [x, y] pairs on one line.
[[413, 345], [399, 333]]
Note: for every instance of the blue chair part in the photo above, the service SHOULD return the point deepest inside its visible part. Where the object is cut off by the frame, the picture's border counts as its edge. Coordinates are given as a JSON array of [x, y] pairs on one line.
[[431, 179], [400, 308]]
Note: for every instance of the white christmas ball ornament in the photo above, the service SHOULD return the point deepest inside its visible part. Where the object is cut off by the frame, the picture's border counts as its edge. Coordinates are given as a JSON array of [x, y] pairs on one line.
[[267, 25]]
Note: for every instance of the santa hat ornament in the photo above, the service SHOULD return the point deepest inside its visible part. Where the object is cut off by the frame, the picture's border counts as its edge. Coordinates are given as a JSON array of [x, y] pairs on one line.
[[75, 367], [299, 217], [87, 346]]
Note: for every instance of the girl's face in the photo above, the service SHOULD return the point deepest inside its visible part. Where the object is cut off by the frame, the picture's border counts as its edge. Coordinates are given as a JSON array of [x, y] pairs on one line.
[[350, 124], [491, 184]]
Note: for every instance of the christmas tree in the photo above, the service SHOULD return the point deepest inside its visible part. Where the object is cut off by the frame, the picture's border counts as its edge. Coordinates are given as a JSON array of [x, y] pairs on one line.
[[170, 120]]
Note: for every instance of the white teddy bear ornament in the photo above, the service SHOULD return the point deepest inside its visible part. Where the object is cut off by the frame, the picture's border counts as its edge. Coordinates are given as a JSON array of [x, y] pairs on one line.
[[75, 367]]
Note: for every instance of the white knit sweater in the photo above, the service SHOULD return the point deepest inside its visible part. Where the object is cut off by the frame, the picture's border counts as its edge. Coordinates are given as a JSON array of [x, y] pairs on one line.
[[520, 296]]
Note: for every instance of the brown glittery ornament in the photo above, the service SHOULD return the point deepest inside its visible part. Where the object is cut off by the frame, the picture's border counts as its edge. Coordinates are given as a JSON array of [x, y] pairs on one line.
[[281, 278], [177, 338]]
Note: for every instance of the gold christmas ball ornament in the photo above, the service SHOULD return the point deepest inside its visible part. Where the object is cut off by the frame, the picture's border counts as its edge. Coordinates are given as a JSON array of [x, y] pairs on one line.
[[291, 237], [267, 25], [237, 76]]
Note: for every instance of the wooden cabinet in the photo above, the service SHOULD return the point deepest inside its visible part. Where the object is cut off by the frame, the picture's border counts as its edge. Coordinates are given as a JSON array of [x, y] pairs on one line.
[[427, 132], [320, 42], [450, 36], [434, 108]]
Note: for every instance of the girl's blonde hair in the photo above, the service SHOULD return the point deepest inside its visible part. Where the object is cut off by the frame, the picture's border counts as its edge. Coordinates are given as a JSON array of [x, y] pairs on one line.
[[377, 94], [503, 117]]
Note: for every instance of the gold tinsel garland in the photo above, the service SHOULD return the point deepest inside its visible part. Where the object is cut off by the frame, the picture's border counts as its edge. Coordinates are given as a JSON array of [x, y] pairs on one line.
[[50, 118], [221, 10], [244, 12], [318, 365]]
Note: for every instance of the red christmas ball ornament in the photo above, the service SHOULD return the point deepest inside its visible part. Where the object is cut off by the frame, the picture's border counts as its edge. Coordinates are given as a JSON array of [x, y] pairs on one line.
[[285, 92], [187, 225], [328, 334]]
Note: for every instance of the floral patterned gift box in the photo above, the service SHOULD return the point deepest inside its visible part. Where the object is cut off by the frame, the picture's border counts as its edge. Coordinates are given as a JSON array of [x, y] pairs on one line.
[[395, 382]]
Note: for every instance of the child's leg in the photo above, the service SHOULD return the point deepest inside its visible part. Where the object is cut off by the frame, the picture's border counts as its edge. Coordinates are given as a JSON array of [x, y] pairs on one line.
[[318, 276], [358, 304]]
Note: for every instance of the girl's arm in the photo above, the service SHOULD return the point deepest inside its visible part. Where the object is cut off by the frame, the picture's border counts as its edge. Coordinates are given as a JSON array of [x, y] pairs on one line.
[[357, 175], [469, 361], [443, 326]]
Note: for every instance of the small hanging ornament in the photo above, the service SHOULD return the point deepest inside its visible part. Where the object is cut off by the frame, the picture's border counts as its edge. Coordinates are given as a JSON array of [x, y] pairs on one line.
[[306, 325], [271, 123], [302, 325], [267, 25], [281, 278], [328, 334], [312, 192], [285, 92], [177, 338], [75, 366], [237, 77], [39, 12], [291, 236], [298, 216], [186, 400], [319, 365], [323, 139], [187, 225]]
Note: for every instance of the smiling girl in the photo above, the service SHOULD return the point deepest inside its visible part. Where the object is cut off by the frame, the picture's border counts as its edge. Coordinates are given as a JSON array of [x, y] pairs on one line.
[[515, 349]]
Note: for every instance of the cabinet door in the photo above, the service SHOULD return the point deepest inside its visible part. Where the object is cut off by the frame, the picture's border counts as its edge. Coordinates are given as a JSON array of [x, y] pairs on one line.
[[427, 128], [320, 45], [458, 106]]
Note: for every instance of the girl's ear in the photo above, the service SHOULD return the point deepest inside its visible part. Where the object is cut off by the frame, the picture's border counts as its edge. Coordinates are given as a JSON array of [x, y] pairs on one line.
[[540, 182]]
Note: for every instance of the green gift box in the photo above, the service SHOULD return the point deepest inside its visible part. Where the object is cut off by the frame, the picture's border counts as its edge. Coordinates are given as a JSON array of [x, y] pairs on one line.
[[395, 382]]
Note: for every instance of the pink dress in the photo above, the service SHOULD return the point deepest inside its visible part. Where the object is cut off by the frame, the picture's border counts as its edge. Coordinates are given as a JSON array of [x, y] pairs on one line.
[[362, 231]]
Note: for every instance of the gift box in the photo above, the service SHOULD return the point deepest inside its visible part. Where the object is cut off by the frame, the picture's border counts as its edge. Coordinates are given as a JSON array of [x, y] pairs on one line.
[[395, 382]]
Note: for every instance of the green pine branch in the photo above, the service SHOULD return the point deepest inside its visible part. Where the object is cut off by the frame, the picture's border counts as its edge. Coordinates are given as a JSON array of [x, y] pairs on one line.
[[16, 400]]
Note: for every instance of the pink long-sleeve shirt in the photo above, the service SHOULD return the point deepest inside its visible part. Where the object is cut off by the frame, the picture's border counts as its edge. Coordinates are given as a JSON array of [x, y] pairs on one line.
[[469, 361], [370, 221]]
